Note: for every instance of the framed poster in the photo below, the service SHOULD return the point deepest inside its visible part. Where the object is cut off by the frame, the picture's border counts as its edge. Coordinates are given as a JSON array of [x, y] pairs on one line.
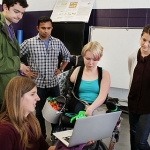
[[72, 10]]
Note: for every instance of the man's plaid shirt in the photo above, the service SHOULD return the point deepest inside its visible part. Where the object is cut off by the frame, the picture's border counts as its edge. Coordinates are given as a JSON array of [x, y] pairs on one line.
[[44, 61]]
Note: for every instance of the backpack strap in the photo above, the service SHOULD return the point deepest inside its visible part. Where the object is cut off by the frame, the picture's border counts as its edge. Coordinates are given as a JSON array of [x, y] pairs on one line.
[[76, 77], [99, 79], [78, 81], [99, 75], [73, 101]]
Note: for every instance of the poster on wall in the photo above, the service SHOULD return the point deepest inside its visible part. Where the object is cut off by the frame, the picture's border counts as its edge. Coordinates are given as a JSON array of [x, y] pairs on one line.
[[72, 10]]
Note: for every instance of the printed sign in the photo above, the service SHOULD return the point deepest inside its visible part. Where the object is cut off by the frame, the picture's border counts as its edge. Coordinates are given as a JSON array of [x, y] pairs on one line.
[[72, 10]]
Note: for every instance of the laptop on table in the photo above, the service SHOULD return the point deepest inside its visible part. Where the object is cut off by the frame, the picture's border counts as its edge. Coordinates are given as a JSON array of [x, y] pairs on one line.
[[89, 128]]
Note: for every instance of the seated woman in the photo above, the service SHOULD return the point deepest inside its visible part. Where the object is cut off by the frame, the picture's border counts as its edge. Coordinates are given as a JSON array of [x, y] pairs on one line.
[[91, 86], [19, 128]]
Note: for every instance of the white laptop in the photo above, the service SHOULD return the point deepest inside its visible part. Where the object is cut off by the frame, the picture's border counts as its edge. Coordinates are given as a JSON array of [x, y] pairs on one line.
[[89, 128]]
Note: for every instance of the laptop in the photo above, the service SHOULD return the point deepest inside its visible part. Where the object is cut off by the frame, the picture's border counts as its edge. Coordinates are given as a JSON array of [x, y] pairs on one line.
[[95, 127]]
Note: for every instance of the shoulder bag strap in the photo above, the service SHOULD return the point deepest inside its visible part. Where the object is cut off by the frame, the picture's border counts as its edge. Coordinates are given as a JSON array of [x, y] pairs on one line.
[[100, 78], [76, 77], [76, 83], [99, 75]]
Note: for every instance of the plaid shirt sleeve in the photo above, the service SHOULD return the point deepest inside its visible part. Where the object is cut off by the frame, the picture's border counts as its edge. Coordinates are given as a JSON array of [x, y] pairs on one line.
[[23, 48]]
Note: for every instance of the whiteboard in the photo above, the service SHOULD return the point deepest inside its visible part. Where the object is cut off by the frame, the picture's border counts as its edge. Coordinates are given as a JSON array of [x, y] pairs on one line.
[[118, 43]]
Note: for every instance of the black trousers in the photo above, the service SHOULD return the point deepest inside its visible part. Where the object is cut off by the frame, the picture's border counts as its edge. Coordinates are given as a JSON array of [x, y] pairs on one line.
[[44, 93]]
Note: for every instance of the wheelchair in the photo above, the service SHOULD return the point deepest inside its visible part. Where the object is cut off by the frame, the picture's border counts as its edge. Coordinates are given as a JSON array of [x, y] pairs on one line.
[[111, 106]]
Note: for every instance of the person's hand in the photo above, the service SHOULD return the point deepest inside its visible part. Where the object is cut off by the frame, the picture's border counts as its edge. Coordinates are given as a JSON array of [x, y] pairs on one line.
[[52, 148], [89, 111], [90, 142], [57, 72], [24, 69], [31, 74]]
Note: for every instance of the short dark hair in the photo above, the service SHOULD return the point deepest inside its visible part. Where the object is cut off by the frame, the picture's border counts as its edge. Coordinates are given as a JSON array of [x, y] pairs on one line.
[[44, 19], [146, 29], [10, 3]]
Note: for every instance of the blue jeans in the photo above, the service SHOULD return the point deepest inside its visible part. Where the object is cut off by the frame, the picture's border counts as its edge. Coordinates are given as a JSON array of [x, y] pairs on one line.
[[139, 131], [44, 93]]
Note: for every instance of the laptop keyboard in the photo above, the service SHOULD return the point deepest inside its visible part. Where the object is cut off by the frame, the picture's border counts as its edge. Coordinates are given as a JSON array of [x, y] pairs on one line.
[[67, 138]]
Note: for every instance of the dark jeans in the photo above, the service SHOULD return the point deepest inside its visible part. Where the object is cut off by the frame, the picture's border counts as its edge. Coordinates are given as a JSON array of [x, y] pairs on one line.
[[79, 106], [139, 131], [44, 93]]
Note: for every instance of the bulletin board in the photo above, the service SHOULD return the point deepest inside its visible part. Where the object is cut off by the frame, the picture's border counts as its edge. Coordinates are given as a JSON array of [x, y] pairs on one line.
[[70, 10]]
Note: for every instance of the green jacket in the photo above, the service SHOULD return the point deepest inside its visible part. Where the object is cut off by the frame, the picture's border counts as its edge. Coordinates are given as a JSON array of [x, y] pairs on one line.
[[9, 57]]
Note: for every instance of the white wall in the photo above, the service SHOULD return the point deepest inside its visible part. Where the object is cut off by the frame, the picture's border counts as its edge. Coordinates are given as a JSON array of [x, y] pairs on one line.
[[110, 4], [99, 4], [35, 5], [115, 46], [39, 5]]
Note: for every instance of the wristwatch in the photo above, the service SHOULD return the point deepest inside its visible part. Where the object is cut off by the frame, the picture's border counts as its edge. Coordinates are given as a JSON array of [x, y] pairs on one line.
[[61, 70]]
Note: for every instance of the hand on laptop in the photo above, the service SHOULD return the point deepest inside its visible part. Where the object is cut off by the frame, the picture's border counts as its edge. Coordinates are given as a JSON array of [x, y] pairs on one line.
[[52, 148], [90, 142]]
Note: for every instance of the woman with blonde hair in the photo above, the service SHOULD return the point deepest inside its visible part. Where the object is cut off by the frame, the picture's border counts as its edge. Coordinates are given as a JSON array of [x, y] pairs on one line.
[[92, 83], [19, 128]]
